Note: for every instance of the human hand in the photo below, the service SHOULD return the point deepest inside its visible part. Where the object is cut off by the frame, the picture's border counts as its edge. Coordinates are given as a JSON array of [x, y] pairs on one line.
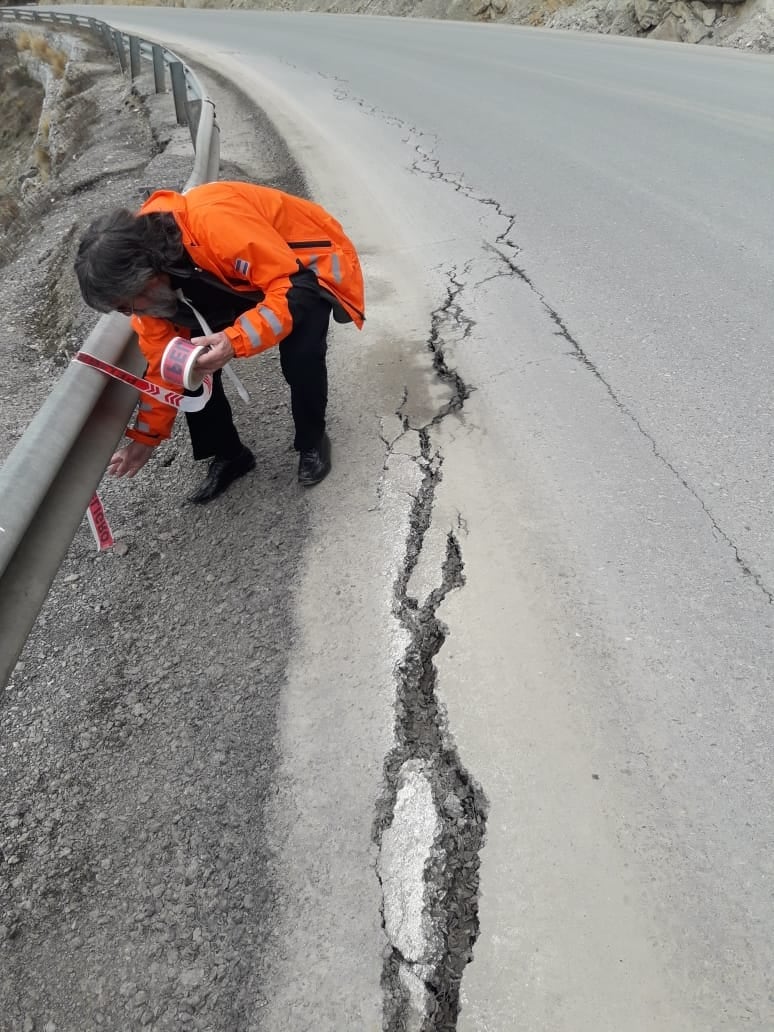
[[129, 460], [219, 352]]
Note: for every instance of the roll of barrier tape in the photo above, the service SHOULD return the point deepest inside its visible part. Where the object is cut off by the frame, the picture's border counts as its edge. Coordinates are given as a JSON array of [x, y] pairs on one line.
[[177, 363]]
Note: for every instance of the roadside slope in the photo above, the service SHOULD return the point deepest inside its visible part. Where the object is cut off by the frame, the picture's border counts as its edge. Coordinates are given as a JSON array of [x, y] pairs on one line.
[[138, 732]]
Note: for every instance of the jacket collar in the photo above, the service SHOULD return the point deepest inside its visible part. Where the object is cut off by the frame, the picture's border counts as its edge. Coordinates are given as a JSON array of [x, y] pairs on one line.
[[173, 202]]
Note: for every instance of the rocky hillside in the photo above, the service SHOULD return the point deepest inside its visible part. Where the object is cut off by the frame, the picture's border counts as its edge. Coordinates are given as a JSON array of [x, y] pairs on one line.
[[21, 99], [55, 154], [749, 25]]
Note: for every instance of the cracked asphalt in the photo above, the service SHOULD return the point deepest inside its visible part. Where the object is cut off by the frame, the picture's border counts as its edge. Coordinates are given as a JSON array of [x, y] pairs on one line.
[[534, 609]]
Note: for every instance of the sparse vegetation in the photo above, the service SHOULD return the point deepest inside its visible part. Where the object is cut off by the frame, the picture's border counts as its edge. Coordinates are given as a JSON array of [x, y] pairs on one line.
[[547, 8], [21, 100], [38, 45], [41, 152], [9, 210]]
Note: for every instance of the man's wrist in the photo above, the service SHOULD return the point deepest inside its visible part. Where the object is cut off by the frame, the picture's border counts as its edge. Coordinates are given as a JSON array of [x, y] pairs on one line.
[[149, 440]]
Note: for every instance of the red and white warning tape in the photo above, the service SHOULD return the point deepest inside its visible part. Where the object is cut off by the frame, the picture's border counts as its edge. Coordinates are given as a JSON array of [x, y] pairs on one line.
[[181, 402], [173, 361], [100, 527]]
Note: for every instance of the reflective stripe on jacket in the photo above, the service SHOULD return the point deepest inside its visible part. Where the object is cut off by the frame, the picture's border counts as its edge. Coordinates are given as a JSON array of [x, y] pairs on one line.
[[252, 238]]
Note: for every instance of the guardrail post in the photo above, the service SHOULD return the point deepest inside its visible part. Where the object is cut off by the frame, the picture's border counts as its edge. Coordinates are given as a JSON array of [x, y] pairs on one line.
[[194, 114], [159, 78], [213, 157], [179, 91], [107, 37], [118, 42], [134, 57]]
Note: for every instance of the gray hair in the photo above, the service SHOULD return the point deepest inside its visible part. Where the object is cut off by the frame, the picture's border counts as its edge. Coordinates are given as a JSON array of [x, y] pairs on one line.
[[121, 252]]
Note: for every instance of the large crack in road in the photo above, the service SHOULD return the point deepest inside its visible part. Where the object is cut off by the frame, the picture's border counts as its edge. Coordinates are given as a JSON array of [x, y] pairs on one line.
[[421, 980], [427, 164], [424, 965]]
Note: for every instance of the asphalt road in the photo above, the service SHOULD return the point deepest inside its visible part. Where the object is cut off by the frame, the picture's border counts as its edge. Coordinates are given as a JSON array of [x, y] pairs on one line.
[[586, 223]]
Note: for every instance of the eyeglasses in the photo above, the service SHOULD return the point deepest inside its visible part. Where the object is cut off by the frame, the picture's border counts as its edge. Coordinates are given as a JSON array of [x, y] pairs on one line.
[[130, 307]]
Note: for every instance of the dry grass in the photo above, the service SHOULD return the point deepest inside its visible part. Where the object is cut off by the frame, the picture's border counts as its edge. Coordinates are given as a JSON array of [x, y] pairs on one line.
[[42, 49], [41, 152], [9, 211], [547, 7], [42, 158]]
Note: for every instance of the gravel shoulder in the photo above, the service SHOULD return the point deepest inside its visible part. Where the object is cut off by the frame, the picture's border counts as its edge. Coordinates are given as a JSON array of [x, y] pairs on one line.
[[137, 735]]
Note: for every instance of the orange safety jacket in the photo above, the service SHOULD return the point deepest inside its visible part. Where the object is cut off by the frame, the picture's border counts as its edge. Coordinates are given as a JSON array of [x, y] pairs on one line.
[[253, 239]]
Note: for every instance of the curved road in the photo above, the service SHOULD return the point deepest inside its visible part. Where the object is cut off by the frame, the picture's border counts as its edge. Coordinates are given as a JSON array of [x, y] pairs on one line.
[[582, 227]]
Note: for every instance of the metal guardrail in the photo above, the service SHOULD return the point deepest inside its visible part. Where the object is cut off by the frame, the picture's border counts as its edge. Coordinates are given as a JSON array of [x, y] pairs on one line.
[[50, 476]]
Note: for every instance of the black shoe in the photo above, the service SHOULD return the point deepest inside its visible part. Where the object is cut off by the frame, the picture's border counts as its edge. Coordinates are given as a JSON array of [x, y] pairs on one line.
[[314, 464], [221, 473]]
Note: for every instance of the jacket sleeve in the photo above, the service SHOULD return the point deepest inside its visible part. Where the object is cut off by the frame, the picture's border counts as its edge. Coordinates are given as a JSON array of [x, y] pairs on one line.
[[154, 420], [246, 247]]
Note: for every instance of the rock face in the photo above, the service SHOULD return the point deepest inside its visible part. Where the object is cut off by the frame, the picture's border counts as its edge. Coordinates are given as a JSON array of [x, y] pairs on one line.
[[21, 100], [488, 10], [742, 23], [650, 13]]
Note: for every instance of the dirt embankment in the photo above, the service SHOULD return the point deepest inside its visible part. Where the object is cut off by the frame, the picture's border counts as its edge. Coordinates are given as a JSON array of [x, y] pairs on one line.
[[21, 101], [74, 141]]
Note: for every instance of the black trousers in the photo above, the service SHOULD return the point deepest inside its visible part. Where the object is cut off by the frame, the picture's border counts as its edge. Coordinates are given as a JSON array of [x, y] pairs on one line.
[[302, 360]]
